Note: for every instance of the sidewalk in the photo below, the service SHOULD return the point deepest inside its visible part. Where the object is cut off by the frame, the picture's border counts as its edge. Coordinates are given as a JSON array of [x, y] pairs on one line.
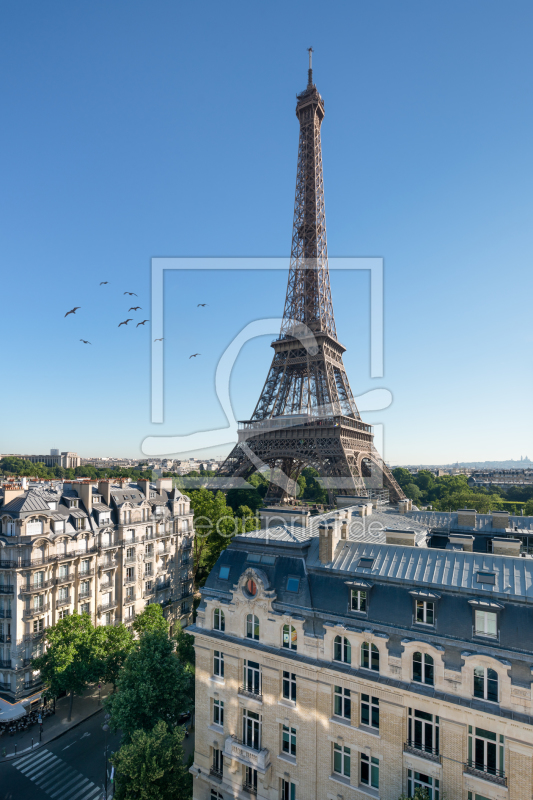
[[53, 726]]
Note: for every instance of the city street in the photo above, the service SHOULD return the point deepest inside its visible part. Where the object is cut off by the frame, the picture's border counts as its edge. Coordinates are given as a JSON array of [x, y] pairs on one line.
[[70, 768]]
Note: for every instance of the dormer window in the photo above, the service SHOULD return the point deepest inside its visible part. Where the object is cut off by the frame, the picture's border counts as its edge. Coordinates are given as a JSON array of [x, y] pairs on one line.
[[251, 587], [425, 612], [485, 623], [359, 600]]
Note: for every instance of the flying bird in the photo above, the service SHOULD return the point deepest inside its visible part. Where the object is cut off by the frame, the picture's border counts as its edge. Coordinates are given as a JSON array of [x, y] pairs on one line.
[[85, 341], [202, 304], [135, 308], [131, 293], [142, 323], [158, 340], [124, 323], [103, 283], [72, 310], [194, 355]]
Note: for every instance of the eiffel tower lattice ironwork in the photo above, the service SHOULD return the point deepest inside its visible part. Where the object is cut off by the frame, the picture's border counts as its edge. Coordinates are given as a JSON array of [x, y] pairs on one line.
[[306, 414]]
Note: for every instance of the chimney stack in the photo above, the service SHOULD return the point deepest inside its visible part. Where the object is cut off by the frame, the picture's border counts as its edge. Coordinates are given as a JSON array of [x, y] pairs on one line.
[[328, 536], [85, 493], [144, 486], [104, 488]]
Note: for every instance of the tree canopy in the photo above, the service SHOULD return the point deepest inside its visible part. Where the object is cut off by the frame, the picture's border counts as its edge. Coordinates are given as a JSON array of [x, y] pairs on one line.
[[151, 620], [11, 465], [153, 685], [150, 766]]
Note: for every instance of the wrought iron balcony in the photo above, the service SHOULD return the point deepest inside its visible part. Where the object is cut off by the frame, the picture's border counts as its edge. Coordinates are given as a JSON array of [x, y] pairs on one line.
[[70, 578], [85, 594], [129, 599], [130, 559], [250, 691], [148, 592], [107, 607], [128, 581], [105, 586], [5, 687], [418, 749], [5, 638], [149, 556], [5, 663], [29, 637], [37, 562], [33, 612], [32, 684], [67, 556], [37, 587], [249, 787], [5, 613], [486, 773], [64, 602], [111, 546], [160, 587], [7, 589], [216, 772], [85, 573], [7, 564]]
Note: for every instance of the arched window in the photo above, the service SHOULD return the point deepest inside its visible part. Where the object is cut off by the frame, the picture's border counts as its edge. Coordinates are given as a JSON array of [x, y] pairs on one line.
[[251, 587], [219, 621], [289, 637], [369, 656], [342, 650], [252, 627], [423, 668], [486, 684]]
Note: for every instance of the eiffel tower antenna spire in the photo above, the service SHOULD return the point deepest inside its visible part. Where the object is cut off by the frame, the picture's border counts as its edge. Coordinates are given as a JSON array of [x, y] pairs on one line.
[[306, 414], [310, 70]]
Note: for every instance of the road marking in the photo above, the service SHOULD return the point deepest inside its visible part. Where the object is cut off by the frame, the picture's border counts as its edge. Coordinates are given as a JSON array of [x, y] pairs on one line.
[[56, 778]]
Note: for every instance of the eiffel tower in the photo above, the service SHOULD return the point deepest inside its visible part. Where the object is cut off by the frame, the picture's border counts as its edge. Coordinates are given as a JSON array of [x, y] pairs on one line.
[[306, 414]]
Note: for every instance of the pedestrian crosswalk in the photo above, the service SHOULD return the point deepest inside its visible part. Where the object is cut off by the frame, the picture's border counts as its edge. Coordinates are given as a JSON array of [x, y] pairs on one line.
[[56, 778]]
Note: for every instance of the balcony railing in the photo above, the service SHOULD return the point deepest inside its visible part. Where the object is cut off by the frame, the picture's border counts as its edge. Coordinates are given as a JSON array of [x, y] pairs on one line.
[[5, 638], [37, 587], [37, 562], [249, 756], [149, 556], [148, 592], [160, 587], [216, 772], [64, 602], [130, 559], [250, 691], [128, 581], [490, 774], [67, 556], [107, 585], [85, 573], [5, 663], [7, 589], [108, 564], [129, 599], [250, 788], [130, 619], [5, 687], [5, 613], [65, 579], [107, 607], [32, 684], [109, 546], [7, 564], [418, 749], [28, 613], [29, 637], [85, 594]]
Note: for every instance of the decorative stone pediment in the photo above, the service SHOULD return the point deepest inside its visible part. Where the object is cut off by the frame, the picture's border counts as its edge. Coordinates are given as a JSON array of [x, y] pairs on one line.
[[254, 586]]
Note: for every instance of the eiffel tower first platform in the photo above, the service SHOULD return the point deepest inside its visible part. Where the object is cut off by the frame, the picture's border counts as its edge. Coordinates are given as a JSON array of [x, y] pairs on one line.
[[306, 414]]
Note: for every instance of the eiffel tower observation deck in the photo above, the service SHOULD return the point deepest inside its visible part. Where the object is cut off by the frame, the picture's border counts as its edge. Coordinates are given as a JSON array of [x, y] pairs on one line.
[[306, 414]]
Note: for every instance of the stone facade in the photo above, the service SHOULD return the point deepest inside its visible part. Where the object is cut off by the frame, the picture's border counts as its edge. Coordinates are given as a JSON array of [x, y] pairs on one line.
[[105, 549]]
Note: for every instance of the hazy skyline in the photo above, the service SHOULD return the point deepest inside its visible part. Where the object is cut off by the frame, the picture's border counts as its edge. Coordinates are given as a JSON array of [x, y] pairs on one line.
[[135, 131]]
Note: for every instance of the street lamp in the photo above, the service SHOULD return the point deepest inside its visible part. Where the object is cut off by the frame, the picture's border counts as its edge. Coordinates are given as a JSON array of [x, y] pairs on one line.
[[105, 728]]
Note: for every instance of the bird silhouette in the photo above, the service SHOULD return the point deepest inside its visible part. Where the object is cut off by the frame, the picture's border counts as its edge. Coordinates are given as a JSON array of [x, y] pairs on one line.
[[72, 310], [142, 323], [194, 355], [103, 283], [124, 323], [159, 340], [202, 304], [85, 341], [131, 293], [135, 308]]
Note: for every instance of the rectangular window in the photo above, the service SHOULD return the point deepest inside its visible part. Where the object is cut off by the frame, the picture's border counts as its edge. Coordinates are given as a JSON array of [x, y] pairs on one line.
[[85, 566], [130, 552], [218, 712], [148, 586], [148, 568], [250, 780], [288, 740], [129, 592], [218, 663], [288, 790], [252, 677], [423, 731], [342, 702], [341, 760], [289, 685], [63, 614], [38, 625], [486, 623], [251, 729], [63, 593], [218, 762], [425, 612], [85, 587], [369, 771], [430, 786], [130, 573], [224, 573], [370, 711], [486, 751], [358, 600], [85, 608], [293, 584]]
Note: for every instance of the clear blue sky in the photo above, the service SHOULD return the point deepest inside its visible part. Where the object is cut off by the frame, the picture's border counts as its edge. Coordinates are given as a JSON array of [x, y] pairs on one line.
[[135, 129]]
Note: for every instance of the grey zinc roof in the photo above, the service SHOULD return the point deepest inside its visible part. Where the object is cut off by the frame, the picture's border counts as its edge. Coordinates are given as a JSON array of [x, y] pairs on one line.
[[76, 512], [31, 501], [421, 566], [101, 507]]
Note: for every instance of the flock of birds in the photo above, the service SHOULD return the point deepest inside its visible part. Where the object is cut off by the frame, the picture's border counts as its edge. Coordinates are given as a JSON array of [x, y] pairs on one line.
[[125, 322]]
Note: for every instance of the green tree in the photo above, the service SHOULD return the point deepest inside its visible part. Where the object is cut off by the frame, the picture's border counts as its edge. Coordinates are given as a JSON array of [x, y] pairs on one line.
[[70, 661], [412, 491], [113, 644], [151, 766], [151, 620], [236, 498], [153, 685], [528, 510], [184, 645], [215, 526]]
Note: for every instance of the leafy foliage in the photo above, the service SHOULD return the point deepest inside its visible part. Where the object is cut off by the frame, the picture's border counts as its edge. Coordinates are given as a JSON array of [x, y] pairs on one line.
[[11, 465], [113, 645], [153, 685], [70, 660], [184, 645], [151, 620], [150, 766]]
